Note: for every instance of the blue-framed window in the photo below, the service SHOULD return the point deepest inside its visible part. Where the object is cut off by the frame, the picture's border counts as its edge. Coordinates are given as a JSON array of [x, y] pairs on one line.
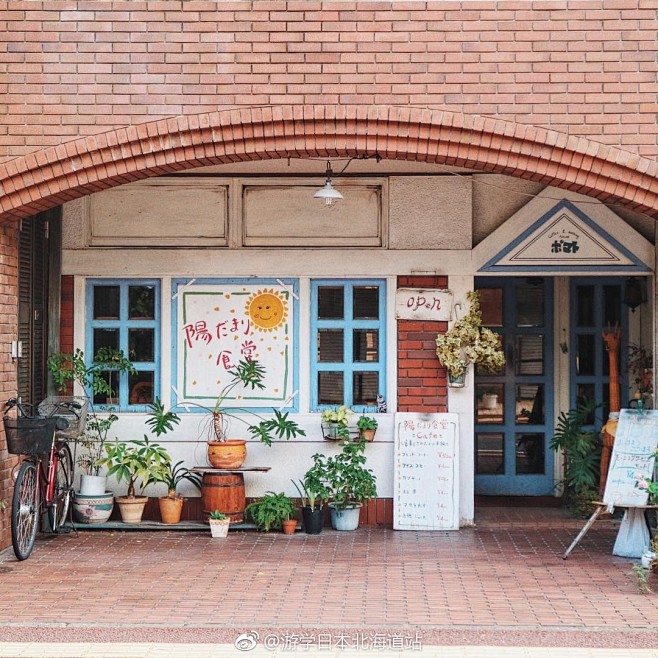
[[125, 315], [348, 343]]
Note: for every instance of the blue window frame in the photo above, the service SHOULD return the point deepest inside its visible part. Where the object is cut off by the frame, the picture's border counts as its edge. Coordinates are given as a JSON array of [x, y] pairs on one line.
[[125, 315], [348, 343]]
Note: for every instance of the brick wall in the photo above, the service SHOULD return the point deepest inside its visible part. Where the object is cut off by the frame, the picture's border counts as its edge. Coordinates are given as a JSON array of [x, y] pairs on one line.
[[422, 384], [580, 67], [8, 332]]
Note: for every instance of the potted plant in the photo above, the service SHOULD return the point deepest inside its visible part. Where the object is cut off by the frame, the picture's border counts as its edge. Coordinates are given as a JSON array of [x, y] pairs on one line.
[[219, 524], [137, 462], [160, 422], [171, 505], [367, 426], [94, 379], [313, 494], [348, 482], [468, 342], [231, 453], [335, 422], [271, 511]]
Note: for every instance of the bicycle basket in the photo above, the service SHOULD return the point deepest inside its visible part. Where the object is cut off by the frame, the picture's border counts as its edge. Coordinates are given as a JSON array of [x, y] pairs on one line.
[[70, 423], [29, 436]]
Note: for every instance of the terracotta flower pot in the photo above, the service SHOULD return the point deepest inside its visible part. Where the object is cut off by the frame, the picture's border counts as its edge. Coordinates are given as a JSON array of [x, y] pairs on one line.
[[227, 454], [131, 508], [289, 526], [171, 509]]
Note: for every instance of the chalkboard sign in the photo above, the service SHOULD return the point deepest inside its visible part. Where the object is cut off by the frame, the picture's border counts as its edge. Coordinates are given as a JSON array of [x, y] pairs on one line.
[[426, 484], [633, 452]]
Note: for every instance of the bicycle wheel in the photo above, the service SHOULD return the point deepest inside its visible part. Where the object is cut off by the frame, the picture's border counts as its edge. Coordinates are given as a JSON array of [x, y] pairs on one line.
[[25, 510], [59, 507]]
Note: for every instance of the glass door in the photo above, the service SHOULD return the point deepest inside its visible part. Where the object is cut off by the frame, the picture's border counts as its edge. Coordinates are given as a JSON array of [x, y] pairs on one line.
[[514, 407], [596, 306]]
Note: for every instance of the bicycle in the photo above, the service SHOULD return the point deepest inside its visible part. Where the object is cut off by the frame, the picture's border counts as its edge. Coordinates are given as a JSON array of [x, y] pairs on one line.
[[44, 480]]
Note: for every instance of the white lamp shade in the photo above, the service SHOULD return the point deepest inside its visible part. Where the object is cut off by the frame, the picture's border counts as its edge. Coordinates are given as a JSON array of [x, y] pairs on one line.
[[328, 193]]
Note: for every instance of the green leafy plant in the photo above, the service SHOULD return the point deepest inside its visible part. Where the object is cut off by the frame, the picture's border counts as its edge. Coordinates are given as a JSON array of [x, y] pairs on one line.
[[137, 462], [366, 423], [161, 421], [641, 579], [270, 511], [216, 515], [339, 415], [344, 476], [582, 454], [312, 492], [249, 374], [95, 378], [468, 342]]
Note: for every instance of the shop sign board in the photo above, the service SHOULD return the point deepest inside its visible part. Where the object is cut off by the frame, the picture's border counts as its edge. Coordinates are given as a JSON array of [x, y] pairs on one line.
[[426, 471], [423, 304]]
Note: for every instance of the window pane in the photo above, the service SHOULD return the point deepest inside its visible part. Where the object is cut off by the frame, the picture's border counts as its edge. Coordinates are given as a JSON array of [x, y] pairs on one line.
[[586, 355], [585, 393], [366, 303], [106, 338], [490, 454], [366, 345], [611, 305], [141, 302], [140, 386], [330, 345], [141, 345], [331, 303], [530, 304], [106, 302], [330, 388], [112, 378], [529, 355], [529, 454], [530, 404], [585, 306], [490, 406], [365, 388], [491, 305]]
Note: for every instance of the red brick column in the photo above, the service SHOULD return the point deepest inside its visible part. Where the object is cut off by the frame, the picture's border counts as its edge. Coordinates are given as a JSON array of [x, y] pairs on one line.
[[421, 379], [8, 332], [66, 315]]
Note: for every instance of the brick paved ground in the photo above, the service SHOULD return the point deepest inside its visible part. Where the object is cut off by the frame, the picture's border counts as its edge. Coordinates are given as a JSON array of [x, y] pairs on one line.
[[501, 583]]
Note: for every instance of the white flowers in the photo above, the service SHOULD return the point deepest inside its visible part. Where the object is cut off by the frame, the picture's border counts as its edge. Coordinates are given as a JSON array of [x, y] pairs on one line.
[[468, 342]]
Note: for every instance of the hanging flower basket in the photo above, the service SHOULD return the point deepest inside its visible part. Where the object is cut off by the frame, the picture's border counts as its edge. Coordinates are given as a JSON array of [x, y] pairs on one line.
[[468, 342]]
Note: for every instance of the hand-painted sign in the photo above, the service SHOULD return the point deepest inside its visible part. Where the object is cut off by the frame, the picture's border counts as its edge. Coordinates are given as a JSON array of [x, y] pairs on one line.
[[218, 325], [426, 472], [423, 304]]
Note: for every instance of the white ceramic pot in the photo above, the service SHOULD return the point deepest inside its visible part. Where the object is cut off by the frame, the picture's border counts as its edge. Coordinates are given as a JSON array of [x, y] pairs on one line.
[[219, 528], [345, 518], [647, 558], [93, 509], [489, 401], [93, 485]]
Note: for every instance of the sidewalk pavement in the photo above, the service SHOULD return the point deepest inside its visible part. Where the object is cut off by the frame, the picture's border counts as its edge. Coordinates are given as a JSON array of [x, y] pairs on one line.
[[470, 592]]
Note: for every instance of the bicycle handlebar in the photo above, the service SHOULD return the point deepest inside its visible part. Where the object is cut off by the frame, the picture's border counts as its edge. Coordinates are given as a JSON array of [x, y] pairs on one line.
[[71, 406]]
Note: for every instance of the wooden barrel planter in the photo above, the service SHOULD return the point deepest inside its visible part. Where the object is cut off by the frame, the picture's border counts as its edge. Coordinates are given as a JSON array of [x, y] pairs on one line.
[[225, 493]]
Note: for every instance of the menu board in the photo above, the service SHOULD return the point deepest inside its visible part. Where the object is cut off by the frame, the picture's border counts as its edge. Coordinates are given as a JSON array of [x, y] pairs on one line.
[[633, 455], [426, 472]]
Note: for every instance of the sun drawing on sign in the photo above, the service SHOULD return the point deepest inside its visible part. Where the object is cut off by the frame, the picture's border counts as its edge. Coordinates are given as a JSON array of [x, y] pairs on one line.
[[267, 309]]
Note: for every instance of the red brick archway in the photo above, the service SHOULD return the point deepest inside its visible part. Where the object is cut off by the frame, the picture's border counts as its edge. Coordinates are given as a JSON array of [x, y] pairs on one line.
[[54, 175]]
